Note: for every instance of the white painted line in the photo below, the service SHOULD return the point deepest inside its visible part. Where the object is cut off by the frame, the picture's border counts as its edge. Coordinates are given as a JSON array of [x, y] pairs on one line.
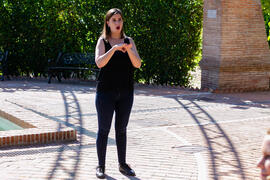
[[182, 140], [224, 122], [202, 170]]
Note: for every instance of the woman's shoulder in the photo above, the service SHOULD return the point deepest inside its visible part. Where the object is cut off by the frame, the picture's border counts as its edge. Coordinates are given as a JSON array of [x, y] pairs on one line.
[[127, 37], [101, 39], [100, 42]]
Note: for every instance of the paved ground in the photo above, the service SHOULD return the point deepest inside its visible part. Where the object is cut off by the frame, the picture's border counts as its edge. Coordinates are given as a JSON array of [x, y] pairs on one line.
[[173, 134]]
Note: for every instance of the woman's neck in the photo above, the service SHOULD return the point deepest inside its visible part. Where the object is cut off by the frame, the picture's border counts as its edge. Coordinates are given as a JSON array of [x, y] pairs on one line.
[[116, 36]]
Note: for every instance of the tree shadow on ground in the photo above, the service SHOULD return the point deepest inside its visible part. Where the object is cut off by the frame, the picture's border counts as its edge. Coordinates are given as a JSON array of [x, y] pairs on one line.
[[216, 139], [73, 119]]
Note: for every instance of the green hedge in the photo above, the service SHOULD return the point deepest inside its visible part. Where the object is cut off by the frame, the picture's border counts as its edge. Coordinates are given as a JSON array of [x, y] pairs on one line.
[[167, 33]]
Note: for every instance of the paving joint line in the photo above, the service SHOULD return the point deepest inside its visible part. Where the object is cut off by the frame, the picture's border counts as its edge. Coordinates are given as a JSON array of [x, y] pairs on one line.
[[201, 124]]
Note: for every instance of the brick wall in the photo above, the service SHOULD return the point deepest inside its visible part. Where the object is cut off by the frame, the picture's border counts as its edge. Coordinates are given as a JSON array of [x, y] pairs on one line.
[[236, 55], [36, 137]]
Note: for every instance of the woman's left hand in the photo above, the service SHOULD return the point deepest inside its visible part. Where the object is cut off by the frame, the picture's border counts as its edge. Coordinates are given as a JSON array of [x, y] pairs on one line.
[[128, 46], [133, 54]]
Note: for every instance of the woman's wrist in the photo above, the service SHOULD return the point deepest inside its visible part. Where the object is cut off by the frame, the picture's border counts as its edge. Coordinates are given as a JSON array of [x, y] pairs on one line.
[[129, 50], [114, 48]]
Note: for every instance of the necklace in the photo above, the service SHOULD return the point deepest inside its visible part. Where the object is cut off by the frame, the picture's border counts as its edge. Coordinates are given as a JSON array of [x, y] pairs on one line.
[[114, 41]]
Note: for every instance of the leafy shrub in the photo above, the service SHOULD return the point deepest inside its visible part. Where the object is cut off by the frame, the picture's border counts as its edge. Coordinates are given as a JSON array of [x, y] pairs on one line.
[[266, 13], [167, 33]]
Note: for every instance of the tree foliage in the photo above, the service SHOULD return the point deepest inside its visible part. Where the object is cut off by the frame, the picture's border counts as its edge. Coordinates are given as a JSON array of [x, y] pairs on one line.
[[167, 33], [266, 13]]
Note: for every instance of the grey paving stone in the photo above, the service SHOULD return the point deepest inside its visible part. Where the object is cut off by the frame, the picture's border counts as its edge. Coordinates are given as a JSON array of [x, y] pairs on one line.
[[172, 134]]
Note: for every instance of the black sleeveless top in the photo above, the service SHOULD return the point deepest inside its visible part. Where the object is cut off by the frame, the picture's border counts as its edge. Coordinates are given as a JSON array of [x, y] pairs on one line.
[[117, 74]]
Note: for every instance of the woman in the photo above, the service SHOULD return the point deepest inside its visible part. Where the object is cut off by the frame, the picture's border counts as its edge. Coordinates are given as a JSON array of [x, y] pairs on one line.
[[116, 56]]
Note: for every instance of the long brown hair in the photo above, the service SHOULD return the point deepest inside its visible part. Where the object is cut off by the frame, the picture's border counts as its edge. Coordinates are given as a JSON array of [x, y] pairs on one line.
[[106, 32]]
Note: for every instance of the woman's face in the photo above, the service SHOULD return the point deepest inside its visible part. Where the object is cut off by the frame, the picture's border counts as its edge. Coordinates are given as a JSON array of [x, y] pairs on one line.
[[115, 23]]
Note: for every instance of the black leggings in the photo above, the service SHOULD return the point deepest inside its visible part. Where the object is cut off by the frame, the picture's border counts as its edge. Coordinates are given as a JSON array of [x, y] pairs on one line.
[[107, 103]]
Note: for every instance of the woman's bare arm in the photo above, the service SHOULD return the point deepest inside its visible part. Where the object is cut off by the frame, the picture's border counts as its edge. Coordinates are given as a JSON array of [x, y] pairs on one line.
[[133, 54], [103, 58]]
